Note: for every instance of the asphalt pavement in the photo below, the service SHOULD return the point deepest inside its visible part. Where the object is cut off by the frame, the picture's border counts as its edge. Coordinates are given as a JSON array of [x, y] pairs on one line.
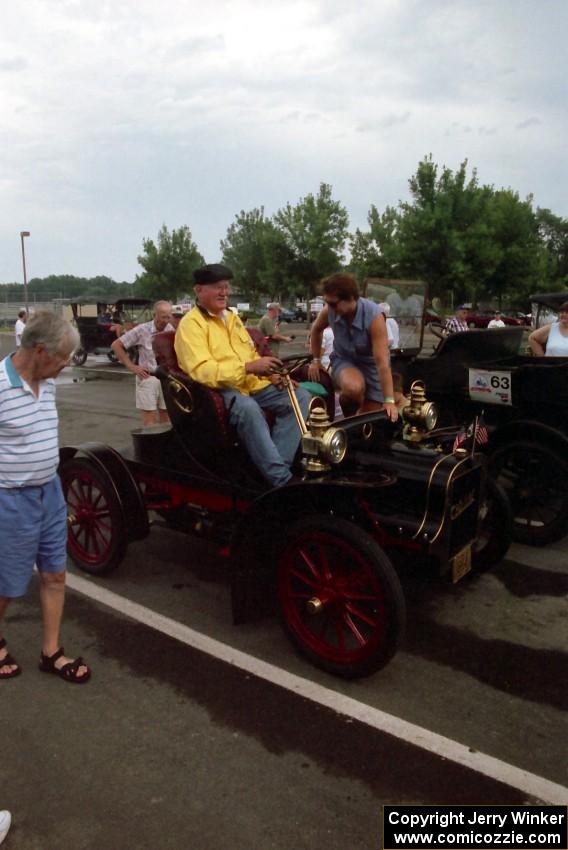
[[169, 747]]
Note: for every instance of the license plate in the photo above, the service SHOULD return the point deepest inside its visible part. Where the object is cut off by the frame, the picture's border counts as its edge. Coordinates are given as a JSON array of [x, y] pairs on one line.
[[461, 564]]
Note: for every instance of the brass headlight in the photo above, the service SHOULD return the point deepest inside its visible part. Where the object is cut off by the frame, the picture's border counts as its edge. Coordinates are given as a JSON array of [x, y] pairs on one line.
[[420, 416], [334, 444], [430, 415]]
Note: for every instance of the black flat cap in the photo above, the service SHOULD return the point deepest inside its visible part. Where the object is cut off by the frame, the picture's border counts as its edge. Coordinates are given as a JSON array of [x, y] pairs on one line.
[[212, 273]]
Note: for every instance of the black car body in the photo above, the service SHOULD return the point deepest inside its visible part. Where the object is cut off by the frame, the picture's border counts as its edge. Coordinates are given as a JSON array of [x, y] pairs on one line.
[[322, 548]]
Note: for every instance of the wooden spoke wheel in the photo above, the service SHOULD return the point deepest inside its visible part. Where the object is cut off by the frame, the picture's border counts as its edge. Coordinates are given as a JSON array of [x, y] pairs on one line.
[[535, 479], [97, 537], [340, 599]]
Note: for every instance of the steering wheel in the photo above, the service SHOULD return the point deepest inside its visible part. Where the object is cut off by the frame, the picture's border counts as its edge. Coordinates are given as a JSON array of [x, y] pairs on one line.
[[438, 329], [294, 361]]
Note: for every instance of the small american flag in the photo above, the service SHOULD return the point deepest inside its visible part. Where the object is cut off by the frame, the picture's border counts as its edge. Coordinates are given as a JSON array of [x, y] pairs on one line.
[[478, 428]]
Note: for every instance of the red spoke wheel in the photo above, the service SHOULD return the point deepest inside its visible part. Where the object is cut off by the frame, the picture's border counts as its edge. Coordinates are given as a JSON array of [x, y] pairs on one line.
[[97, 538], [535, 479], [340, 599]]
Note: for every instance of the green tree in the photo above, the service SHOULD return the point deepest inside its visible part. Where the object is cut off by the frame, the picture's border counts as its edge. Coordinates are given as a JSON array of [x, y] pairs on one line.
[[553, 235], [465, 238], [168, 266], [315, 232], [375, 253]]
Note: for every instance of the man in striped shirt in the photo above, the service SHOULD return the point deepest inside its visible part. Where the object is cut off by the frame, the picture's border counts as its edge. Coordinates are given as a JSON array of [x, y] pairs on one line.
[[458, 323], [33, 514]]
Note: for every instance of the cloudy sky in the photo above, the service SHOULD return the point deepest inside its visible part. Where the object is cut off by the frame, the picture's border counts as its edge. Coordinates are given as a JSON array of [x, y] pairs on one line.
[[117, 117]]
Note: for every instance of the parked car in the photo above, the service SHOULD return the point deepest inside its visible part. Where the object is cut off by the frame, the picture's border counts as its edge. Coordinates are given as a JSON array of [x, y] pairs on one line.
[[287, 316], [100, 322], [525, 407], [320, 549], [481, 320]]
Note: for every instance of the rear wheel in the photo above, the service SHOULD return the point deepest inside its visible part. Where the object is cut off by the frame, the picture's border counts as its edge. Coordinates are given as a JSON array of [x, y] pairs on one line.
[[79, 356], [97, 538], [535, 479], [340, 599]]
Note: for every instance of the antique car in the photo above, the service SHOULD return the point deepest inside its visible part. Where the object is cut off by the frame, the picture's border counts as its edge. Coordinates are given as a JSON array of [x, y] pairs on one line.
[[100, 323], [524, 404], [368, 493]]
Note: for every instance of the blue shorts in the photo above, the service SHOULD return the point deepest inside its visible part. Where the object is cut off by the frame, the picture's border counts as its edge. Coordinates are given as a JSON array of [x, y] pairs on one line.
[[33, 530], [373, 389]]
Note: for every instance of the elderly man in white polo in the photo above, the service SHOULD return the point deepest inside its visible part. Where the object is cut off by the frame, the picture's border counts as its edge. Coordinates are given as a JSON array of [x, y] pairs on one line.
[[33, 513], [149, 396]]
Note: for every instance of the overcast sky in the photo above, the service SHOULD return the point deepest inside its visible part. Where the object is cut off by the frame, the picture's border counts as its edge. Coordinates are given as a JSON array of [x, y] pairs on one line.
[[117, 117]]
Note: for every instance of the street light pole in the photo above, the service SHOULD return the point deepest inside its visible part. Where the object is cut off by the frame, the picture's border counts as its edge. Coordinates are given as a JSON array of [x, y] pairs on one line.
[[23, 234]]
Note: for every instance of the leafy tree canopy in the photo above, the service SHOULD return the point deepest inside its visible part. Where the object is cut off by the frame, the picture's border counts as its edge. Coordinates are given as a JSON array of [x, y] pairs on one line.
[[168, 265], [315, 232]]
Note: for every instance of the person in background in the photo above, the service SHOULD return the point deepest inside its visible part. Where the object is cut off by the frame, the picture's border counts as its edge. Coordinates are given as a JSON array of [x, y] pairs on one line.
[[496, 321], [458, 323], [33, 513], [214, 348], [360, 363], [5, 821], [20, 326], [393, 331], [552, 340], [177, 315], [149, 396], [270, 328], [326, 347]]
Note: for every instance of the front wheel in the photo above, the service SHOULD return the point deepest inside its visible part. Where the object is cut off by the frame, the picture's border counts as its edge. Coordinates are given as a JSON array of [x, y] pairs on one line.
[[535, 478], [340, 599], [97, 537]]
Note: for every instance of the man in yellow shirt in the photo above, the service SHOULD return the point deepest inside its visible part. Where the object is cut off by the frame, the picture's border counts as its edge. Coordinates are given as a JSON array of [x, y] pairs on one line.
[[214, 348]]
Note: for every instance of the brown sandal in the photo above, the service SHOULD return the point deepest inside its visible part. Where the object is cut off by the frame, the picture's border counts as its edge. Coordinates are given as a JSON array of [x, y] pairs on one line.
[[68, 672], [9, 661]]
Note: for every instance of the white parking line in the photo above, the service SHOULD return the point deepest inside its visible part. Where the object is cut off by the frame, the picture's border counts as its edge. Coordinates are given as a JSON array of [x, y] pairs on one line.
[[528, 783]]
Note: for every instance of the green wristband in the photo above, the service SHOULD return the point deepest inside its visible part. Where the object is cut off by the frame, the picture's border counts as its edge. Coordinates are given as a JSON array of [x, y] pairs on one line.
[[389, 400]]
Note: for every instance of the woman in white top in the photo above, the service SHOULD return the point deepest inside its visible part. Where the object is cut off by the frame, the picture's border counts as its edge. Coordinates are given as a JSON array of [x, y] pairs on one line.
[[552, 340]]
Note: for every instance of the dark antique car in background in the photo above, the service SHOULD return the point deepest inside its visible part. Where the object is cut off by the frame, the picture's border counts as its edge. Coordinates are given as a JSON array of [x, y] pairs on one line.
[[370, 494], [100, 323], [524, 403]]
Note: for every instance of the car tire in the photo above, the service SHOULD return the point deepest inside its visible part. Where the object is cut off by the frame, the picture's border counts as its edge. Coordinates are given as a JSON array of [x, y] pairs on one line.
[[341, 602], [97, 538], [535, 479], [495, 528], [79, 357]]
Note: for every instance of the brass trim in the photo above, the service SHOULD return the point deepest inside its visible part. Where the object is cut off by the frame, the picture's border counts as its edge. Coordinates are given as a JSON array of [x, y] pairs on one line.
[[176, 389], [452, 475]]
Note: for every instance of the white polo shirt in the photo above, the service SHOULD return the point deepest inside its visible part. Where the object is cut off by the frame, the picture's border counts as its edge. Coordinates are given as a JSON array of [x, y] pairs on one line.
[[29, 445]]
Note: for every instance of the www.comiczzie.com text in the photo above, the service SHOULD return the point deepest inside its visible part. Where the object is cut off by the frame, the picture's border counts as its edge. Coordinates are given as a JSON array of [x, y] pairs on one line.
[[475, 826]]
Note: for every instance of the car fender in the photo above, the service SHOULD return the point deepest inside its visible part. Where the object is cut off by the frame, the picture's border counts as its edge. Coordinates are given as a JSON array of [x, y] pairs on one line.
[[254, 538], [532, 431], [120, 477]]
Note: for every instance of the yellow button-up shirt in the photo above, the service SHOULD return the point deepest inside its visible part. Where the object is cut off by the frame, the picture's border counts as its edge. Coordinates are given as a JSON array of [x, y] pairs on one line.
[[213, 351]]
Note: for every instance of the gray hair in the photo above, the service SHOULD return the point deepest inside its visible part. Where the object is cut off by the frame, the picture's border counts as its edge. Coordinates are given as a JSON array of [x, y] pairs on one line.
[[385, 307], [159, 303], [56, 334]]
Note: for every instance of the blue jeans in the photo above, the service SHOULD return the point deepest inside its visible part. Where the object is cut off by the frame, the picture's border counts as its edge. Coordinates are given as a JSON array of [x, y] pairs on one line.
[[274, 453]]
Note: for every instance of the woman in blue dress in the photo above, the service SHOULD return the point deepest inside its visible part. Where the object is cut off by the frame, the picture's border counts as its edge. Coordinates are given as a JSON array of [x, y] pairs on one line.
[[360, 363]]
